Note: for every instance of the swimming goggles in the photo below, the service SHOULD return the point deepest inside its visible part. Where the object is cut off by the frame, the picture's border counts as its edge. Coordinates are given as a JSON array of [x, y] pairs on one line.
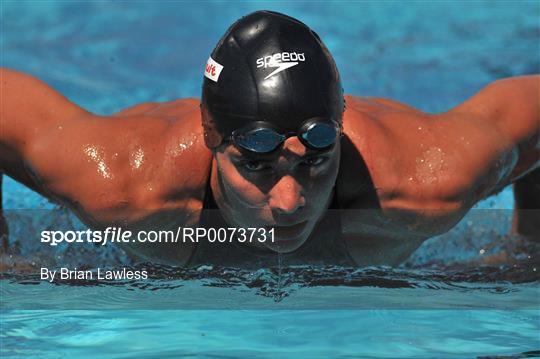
[[261, 137]]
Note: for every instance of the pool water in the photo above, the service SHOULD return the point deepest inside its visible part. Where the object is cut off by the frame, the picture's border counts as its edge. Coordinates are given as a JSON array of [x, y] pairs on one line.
[[454, 298]]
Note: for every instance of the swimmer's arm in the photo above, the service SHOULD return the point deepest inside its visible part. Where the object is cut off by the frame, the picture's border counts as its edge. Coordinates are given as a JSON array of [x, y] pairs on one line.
[[508, 111], [28, 107]]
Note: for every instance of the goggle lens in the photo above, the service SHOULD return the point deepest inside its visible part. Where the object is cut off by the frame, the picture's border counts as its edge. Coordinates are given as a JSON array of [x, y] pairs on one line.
[[261, 140], [318, 136]]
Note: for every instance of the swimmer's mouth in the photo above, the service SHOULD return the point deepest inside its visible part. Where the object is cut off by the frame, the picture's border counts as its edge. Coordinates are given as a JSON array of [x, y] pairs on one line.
[[286, 232]]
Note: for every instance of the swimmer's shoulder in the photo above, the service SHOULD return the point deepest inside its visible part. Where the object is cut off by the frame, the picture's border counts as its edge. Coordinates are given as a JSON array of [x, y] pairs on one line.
[[151, 156], [365, 148], [177, 159], [187, 160], [376, 136]]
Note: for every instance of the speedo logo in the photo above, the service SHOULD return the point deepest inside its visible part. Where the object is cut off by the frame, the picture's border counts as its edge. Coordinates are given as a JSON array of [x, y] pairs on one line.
[[281, 60]]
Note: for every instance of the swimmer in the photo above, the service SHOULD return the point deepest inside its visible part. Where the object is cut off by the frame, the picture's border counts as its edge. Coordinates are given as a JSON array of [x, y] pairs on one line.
[[274, 143]]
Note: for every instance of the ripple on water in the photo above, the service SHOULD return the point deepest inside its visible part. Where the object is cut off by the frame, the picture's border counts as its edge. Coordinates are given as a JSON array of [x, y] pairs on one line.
[[287, 287]]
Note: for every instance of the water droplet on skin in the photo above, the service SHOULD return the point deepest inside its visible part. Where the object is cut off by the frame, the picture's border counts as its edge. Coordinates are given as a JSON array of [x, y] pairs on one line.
[[429, 165], [95, 154], [60, 127], [137, 158], [179, 148], [419, 128]]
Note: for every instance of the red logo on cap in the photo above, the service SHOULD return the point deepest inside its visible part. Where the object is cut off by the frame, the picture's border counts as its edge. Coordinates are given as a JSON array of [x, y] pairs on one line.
[[210, 69]]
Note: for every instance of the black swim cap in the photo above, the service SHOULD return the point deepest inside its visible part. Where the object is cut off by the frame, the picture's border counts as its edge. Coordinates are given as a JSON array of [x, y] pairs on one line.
[[268, 67]]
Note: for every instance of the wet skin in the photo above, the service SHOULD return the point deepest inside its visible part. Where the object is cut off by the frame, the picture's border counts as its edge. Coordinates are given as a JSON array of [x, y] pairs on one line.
[[401, 174]]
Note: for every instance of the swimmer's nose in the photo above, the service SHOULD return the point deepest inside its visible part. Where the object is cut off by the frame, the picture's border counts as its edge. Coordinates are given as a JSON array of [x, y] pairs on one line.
[[286, 196]]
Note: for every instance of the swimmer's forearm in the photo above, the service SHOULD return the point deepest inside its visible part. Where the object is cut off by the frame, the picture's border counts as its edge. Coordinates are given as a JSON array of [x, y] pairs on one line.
[[28, 107]]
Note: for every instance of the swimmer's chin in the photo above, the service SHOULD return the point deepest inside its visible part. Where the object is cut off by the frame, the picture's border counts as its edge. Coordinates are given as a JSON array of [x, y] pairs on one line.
[[286, 245]]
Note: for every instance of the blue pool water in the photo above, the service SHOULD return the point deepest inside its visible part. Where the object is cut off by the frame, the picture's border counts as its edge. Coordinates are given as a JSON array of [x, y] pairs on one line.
[[107, 55]]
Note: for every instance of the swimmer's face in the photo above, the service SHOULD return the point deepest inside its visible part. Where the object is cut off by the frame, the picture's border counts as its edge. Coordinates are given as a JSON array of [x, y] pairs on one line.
[[288, 189]]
